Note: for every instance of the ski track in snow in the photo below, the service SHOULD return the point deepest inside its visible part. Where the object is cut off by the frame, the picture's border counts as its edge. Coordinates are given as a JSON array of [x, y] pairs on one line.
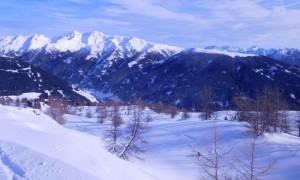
[[10, 168]]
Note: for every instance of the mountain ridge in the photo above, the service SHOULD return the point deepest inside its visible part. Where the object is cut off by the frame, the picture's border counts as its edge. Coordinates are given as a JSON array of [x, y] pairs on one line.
[[287, 55], [129, 68], [96, 44]]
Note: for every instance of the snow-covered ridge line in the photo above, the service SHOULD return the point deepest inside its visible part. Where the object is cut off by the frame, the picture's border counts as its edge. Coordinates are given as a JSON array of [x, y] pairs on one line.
[[96, 43], [217, 51], [255, 50]]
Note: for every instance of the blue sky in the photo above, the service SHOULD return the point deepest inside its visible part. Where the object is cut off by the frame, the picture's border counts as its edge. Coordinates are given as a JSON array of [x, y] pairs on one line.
[[183, 23]]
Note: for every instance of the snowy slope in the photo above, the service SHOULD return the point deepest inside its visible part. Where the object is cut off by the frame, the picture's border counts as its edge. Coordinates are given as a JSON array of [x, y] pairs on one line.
[[32, 146], [173, 142]]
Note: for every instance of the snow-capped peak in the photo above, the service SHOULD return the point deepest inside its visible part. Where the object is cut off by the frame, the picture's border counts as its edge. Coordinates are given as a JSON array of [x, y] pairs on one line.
[[38, 41], [70, 42], [95, 37], [20, 44], [254, 48], [72, 34], [95, 43]]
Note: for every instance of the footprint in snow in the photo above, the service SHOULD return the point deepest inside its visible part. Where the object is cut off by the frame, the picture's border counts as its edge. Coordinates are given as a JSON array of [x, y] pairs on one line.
[[57, 148], [43, 163]]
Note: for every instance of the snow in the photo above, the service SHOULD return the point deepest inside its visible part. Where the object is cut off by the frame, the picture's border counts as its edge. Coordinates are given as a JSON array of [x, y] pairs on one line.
[[160, 61], [38, 41], [278, 54], [102, 95], [169, 93], [95, 43], [132, 63], [10, 70], [39, 148], [287, 71], [61, 92], [20, 44], [95, 37], [70, 42], [172, 142], [216, 51], [28, 95], [167, 50], [86, 94], [292, 96], [68, 60]]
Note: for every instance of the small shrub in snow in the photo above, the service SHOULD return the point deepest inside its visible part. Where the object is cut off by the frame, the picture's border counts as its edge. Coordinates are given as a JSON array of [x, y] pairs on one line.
[[185, 114], [18, 102], [102, 113], [89, 114]]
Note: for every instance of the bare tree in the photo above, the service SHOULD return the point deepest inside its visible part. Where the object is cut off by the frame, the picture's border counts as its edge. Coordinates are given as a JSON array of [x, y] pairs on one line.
[[9, 101], [206, 98], [265, 112], [214, 159], [72, 110], [89, 114], [56, 110], [18, 102], [129, 109], [102, 113], [37, 104], [2, 101], [113, 135], [172, 110], [298, 123], [148, 118], [251, 170], [185, 114], [24, 102], [244, 106], [135, 140], [158, 107]]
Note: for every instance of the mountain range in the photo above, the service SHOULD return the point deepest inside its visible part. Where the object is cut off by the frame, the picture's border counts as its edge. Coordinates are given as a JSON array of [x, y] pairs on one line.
[[128, 67], [96, 44]]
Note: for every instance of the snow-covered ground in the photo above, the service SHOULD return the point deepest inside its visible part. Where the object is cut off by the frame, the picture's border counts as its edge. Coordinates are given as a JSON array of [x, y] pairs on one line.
[[33, 146], [170, 151]]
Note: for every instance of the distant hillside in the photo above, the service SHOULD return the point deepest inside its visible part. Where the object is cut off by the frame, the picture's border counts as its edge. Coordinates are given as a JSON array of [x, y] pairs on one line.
[[19, 77]]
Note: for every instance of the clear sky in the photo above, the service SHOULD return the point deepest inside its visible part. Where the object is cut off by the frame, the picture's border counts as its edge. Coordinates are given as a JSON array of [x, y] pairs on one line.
[[183, 23]]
